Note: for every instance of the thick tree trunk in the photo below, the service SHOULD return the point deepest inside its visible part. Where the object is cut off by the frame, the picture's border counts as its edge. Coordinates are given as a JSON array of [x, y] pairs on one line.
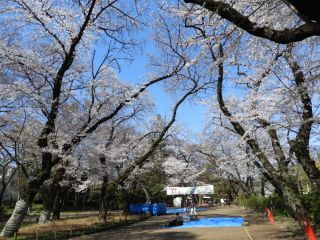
[[45, 216], [56, 204], [47, 198], [103, 208], [50, 193], [226, 11], [280, 177], [301, 145], [309, 166], [21, 208], [295, 206], [249, 184], [13, 224], [49, 160]]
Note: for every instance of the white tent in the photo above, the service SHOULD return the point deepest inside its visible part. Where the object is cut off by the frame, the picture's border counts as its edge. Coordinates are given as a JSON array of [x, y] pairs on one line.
[[206, 189]]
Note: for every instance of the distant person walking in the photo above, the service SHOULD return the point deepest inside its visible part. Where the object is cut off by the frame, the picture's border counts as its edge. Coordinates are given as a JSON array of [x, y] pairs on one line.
[[222, 202]]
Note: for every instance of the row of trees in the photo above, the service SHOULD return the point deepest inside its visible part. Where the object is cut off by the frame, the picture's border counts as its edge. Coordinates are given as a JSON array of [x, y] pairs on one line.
[[68, 120], [274, 111]]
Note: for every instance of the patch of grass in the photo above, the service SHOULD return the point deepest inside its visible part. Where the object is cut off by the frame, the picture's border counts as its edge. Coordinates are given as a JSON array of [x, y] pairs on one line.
[[7, 210], [36, 208], [65, 229]]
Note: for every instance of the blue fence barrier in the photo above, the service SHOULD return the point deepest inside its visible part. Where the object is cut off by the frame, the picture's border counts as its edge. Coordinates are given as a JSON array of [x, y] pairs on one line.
[[152, 208]]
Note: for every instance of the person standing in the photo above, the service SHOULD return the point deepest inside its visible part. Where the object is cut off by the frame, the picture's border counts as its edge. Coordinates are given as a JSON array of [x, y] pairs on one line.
[[222, 202]]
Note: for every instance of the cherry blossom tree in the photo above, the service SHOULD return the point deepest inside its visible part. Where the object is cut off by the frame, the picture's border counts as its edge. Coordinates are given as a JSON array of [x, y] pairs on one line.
[[16, 149], [271, 107], [225, 154], [280, 21], [145, 156], [57, 73]]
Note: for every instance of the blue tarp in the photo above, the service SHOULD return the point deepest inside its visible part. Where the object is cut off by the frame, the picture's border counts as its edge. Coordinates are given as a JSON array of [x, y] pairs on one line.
[[214, 222], [153, 208]]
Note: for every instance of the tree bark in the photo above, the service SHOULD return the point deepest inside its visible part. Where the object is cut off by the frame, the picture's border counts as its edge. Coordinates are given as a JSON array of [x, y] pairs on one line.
[[1, 196], [48, 159], [47, 195], [308, 10], [262, 186], [148, 199], [285, 36], [300, 146], [45, 216], [56, 204], [14, 222], [112, 186], [280, 177], [103, 208]]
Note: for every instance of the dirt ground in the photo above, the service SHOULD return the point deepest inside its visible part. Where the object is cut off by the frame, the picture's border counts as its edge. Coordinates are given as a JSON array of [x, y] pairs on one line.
[[150, 229]]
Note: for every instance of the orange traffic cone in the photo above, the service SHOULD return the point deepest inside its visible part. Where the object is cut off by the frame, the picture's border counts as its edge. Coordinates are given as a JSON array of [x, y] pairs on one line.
[[269, 215], [308, 230]]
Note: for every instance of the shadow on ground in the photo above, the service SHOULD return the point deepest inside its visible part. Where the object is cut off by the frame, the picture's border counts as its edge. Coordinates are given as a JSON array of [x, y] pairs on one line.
[[152, 229], [171, 235]]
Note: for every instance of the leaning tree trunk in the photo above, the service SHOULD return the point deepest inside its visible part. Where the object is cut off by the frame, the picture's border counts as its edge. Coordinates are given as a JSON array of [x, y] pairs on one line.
[[148, 198], [28, 195], [21, 209], [280, 177], [13, 224]]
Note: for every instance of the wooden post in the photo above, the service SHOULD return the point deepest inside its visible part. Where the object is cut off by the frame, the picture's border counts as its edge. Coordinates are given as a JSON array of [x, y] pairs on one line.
[[37, 233], [15, 236]]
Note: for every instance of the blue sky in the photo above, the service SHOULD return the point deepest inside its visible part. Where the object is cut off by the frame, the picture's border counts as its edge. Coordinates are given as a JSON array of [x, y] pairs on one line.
[[191, 115]]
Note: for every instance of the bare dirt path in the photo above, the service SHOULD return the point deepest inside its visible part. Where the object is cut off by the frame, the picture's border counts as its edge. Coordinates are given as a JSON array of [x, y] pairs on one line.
[[150, 229]]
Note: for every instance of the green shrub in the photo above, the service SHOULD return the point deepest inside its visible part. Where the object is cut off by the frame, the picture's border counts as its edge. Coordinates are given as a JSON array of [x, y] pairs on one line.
[[312, 202], [254, 202], [277, 205]]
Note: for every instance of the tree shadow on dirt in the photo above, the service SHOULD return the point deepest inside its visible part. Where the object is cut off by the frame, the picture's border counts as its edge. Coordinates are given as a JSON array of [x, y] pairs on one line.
[[287, 234], [170, 236]]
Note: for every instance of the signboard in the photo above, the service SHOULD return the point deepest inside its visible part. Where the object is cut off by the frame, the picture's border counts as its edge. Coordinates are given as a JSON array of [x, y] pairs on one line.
[[207, 189]]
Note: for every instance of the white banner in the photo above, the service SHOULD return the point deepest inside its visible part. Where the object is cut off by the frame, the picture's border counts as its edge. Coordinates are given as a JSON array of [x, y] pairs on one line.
[[207, 189]]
